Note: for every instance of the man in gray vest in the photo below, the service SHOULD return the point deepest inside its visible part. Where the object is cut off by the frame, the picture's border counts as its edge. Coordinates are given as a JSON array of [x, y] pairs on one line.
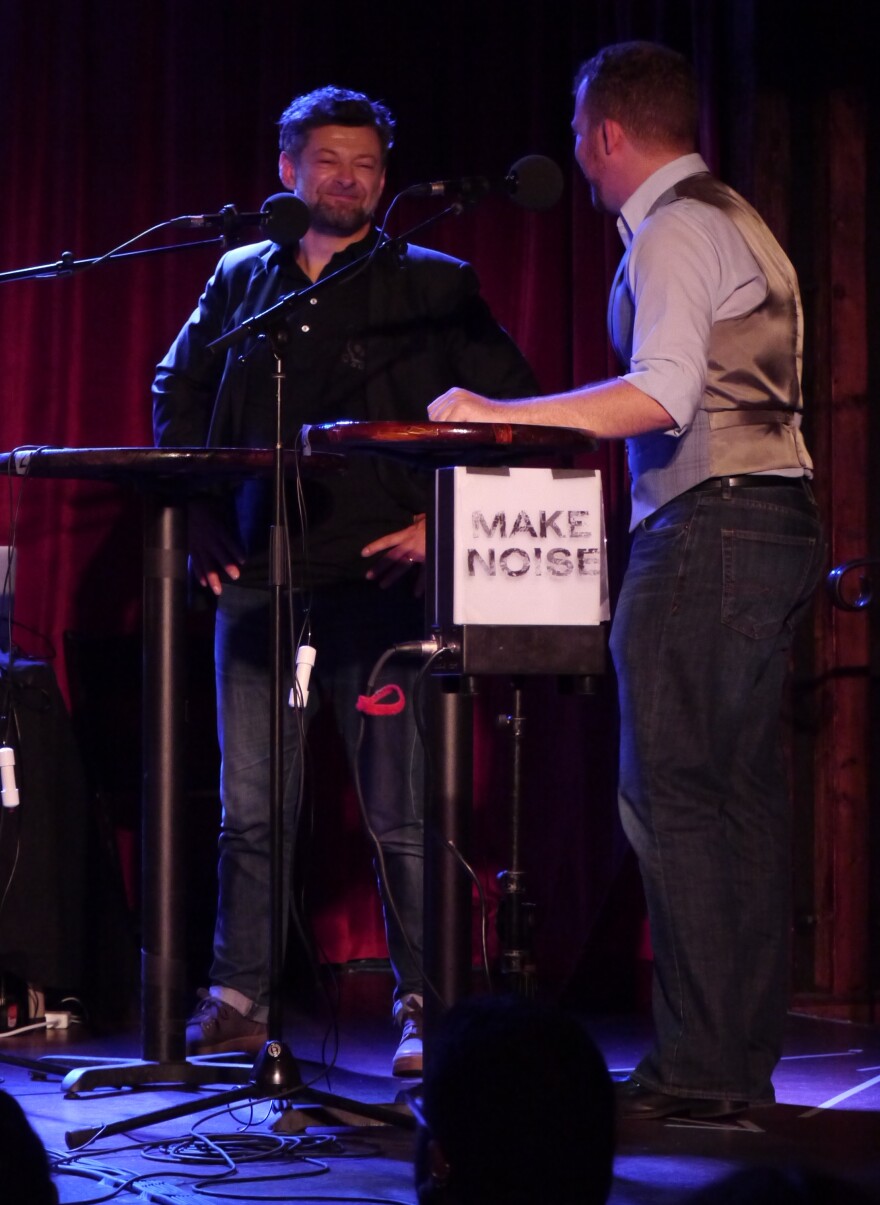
[[705, 315]]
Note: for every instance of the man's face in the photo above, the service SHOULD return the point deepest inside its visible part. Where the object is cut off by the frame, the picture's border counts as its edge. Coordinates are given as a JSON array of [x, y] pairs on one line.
[[589, 151], [339, 175]]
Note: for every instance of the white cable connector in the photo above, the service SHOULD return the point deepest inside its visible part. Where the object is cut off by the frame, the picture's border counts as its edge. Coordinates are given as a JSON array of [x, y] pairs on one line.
[[305, 659], [8, 789], [58, 1020]]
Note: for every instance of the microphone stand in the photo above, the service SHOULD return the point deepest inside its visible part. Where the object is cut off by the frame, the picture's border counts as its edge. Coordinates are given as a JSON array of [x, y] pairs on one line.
[[69, 265], [277, 584], [229, 221]]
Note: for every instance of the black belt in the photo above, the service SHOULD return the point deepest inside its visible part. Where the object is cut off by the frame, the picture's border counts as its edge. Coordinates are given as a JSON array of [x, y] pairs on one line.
[[755, 480]]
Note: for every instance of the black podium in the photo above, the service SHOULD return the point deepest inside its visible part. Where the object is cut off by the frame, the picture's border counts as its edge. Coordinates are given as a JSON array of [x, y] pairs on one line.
[[471, 651], [162, 477]]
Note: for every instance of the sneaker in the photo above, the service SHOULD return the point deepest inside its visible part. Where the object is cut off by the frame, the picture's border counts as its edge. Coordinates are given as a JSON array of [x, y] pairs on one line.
[[407, 1059], [217, 1028]]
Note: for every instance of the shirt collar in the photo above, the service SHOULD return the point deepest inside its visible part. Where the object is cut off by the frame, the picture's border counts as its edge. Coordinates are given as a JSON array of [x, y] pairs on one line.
[[635, 209], [285, 257]]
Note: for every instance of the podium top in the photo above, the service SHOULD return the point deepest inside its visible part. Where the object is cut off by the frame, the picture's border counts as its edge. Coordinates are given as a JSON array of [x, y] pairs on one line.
[[134, 464], [434, 445], [431, 445]]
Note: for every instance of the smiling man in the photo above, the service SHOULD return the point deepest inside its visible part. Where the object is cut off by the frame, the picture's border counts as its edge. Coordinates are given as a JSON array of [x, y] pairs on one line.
[[396, 331], [339, 172]]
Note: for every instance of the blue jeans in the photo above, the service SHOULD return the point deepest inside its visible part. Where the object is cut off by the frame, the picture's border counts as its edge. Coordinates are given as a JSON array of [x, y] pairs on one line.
[[700, 642], [352, 626]]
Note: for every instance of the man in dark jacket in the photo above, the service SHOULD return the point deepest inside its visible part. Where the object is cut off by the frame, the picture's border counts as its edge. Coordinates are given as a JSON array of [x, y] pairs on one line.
[[377, 346]]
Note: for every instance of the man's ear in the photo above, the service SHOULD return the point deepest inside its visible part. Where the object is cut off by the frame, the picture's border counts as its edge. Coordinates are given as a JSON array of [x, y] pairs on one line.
[[287, 171], [612, 135]]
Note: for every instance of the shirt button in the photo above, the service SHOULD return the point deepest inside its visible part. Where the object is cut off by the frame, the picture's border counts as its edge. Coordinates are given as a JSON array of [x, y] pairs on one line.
[[313, 301], [305, 328]]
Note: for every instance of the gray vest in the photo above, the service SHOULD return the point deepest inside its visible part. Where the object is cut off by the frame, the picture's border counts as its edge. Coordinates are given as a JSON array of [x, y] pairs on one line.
[[749, 415]]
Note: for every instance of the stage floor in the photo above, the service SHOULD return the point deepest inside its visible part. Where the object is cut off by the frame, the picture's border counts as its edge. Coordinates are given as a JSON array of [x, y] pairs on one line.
[[827, 1118]]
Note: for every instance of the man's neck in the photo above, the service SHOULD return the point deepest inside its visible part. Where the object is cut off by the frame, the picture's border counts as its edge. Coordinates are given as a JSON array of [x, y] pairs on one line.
[[641, 166], [317, 248]]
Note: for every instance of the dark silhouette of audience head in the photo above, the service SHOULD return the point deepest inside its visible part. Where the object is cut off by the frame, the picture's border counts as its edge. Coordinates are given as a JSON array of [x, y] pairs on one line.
[[24, 1167], [517, 1108]]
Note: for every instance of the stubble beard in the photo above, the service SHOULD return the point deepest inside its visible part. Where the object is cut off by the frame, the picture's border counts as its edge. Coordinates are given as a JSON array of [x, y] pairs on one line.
[[328, 218]]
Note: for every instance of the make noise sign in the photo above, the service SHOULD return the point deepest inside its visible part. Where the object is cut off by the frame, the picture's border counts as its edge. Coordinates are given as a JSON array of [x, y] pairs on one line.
[[528, 547]]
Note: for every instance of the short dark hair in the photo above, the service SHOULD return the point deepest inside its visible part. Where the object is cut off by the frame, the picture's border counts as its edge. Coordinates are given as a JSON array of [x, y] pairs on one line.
[[519, 1099], [649, 88], [333, 107]]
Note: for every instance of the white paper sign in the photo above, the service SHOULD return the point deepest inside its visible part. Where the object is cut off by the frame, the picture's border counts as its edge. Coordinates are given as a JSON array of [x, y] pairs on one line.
[[529, 547]]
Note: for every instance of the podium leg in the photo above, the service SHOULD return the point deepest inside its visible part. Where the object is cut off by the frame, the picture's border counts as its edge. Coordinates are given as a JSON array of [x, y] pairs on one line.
[[447, 828], [163, 969]]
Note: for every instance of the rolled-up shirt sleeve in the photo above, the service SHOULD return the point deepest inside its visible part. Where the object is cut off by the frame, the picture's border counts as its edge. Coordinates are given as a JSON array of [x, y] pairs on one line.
[[688, 268]]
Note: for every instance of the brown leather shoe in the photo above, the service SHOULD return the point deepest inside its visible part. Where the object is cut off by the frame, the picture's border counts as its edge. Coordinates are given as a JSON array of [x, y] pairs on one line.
[[636, 1102], [217, 1028]]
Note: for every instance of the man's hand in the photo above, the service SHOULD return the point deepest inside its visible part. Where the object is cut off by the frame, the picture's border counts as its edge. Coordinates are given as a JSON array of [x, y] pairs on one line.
[[461, 406], [212, 549], [403, 550]]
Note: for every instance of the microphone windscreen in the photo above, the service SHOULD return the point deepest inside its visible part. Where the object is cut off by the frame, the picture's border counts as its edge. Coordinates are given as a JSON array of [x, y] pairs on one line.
[[535, 182], [286, 218]]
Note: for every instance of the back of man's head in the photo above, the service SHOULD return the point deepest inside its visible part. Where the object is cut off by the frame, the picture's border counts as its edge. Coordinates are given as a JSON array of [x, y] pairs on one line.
[[518, 1099], [648, 88], [333, 107]]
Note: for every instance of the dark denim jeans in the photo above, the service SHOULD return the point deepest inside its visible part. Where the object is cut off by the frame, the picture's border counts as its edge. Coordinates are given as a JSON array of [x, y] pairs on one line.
[[351, 627], [700, 641]]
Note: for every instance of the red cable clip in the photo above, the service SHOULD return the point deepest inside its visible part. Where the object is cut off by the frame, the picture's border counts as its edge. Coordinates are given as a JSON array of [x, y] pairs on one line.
[[374, 705]]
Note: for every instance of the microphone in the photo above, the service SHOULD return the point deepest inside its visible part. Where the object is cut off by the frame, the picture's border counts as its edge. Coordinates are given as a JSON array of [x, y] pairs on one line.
[[535, 182], [284, 218], [299, 692], [8, 788]]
